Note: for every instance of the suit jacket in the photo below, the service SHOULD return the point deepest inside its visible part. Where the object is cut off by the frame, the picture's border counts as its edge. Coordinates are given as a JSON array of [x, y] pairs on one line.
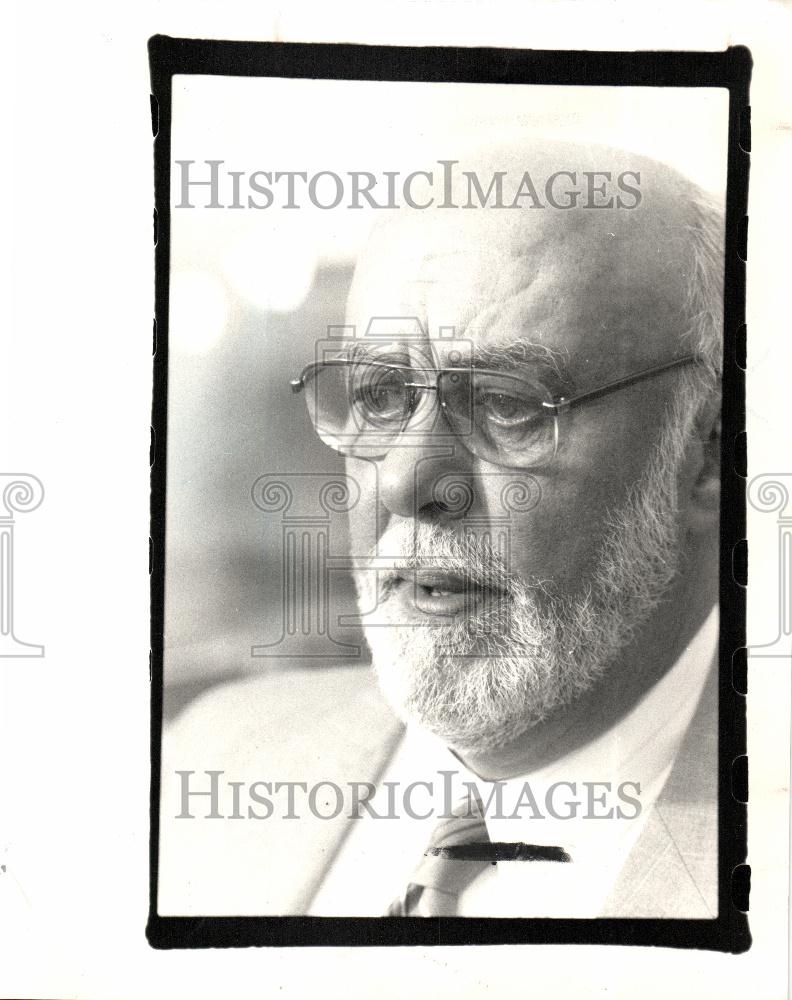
[[330, 724]]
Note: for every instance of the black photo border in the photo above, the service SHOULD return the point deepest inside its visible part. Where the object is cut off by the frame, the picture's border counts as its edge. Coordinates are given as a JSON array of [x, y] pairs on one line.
[[730, 70]]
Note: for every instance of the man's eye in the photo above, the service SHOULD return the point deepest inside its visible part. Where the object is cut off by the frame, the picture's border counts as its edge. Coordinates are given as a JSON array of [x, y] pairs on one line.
[[506, 409], [379, 398], [381, 394]]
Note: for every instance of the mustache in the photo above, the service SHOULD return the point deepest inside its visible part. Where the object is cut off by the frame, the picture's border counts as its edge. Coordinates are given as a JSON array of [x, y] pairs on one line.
[[411, 547]]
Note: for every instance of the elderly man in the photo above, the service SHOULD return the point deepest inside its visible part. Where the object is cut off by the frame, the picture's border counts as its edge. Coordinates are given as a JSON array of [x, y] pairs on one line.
[[528, 400]]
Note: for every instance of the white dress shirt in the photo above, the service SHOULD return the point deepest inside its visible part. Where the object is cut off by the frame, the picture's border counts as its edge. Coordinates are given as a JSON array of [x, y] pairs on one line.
[[380, 854]]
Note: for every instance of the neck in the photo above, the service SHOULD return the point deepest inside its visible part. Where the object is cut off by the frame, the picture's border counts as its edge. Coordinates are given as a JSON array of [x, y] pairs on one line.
[[638, 667]]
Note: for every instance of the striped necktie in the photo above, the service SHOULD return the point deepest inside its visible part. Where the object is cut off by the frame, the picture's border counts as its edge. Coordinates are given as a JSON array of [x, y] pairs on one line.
[[459, 851]]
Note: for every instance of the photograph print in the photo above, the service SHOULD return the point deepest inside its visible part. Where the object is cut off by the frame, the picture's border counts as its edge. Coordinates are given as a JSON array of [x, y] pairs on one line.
[[442, 616]]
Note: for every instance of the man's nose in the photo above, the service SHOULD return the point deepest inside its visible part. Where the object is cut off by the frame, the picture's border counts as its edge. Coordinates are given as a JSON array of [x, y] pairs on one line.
[[427, 475]]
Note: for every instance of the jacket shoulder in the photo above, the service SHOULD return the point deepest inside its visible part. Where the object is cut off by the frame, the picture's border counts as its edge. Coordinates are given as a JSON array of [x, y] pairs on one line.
[[247, 742], [287, 707]]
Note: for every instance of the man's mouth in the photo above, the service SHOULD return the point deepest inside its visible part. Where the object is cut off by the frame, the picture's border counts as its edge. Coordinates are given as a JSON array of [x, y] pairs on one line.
[[439, 592]]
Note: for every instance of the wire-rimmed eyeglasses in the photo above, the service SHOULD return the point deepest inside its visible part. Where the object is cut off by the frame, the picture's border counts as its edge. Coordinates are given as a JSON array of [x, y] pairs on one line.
[[367, 407]]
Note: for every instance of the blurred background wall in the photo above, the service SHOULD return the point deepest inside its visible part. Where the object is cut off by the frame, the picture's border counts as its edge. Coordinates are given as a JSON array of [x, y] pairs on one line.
[[233, 418]]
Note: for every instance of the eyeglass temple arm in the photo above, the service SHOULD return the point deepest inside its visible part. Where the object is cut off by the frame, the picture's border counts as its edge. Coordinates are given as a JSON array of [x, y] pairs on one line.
[[564, 403], [298, 384]]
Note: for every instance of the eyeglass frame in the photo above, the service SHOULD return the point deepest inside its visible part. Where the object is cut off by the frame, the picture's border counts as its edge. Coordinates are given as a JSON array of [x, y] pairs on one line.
[[556, 407]]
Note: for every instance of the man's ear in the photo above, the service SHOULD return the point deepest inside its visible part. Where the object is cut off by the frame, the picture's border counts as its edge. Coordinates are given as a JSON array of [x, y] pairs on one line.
[[705, 492]]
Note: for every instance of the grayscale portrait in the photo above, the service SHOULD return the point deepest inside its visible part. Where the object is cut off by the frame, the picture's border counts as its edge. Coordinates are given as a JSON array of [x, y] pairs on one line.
[[442, 624]]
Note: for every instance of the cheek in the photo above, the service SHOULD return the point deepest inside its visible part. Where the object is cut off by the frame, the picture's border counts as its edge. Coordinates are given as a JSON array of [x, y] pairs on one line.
[[557, 541], [605, 452], [366, 513]]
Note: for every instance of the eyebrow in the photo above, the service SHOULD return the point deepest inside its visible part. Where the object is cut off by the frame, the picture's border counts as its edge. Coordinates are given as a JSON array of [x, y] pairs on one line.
[[525, 355], [396, 352]]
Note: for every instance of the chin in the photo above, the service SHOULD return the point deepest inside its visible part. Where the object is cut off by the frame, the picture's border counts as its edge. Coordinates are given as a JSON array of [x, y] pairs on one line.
[[475, 700]]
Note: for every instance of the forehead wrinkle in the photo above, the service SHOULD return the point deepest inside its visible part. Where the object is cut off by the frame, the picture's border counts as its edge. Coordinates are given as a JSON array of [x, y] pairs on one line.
[[498, 321], [485, 279]]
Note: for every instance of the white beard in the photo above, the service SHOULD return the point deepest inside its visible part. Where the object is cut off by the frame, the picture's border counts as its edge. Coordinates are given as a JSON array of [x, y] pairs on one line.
[[481, 681]]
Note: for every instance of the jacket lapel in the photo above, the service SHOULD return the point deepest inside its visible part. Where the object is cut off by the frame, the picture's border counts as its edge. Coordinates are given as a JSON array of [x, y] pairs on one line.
[[673, 869]]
